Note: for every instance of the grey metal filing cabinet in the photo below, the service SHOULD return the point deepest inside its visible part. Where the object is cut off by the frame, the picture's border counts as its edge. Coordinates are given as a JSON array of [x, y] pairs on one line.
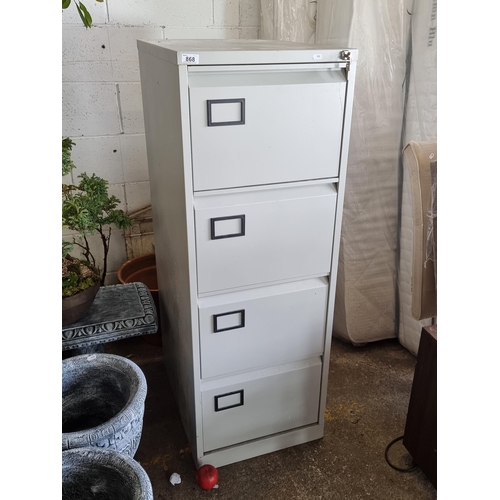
[[247, 146]]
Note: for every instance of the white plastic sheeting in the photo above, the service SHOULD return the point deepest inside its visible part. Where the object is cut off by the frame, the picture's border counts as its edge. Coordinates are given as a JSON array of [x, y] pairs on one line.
[[386, 115], [421, 112], [420, 125], [288, 20]]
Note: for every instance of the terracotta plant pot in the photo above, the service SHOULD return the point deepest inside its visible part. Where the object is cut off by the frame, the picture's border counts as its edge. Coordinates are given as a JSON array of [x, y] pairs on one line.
[[103, 398], [75, 307], [142, 269], [94, 473]]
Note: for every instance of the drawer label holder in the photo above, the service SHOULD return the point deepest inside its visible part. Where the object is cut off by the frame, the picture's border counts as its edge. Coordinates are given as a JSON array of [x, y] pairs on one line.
[[213, 102], [213, 228], [229, 400], [241, 312]]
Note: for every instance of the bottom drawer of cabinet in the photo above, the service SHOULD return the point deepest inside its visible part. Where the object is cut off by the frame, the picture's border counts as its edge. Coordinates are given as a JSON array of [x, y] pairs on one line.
[[258, 404]]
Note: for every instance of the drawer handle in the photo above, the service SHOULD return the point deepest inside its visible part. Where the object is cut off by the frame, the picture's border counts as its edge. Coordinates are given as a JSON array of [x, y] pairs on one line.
[[241, 312], [229, 400], [218, 233], [223, 102]]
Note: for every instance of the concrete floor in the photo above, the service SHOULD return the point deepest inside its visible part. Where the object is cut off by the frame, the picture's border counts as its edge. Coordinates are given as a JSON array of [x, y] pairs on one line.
[[368, 395]]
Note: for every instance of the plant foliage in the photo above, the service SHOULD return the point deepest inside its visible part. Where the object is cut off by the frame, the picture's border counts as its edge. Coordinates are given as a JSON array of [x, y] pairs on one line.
[[82, 11], [77, 276], [87, 208]]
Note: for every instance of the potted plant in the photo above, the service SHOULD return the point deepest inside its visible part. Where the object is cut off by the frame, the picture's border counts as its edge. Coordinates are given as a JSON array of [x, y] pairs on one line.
[[87, 208]]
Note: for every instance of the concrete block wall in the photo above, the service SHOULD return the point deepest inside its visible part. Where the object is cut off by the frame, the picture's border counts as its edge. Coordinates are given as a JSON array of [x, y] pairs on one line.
[[101, 92]]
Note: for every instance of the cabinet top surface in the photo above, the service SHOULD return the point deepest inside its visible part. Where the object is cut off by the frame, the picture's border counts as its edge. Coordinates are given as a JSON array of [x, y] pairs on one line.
[[199, 52]]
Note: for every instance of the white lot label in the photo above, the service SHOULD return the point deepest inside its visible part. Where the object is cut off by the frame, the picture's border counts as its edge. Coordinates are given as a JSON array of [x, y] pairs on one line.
[[191, 58]]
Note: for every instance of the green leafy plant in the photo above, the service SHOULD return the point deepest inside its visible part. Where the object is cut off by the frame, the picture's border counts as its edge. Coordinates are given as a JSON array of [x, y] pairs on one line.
[[77, 276], [87, 208], [82, 11]]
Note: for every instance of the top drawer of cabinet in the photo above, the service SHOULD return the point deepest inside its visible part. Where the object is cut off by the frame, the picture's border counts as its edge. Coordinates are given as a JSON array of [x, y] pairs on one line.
[[254, 125]]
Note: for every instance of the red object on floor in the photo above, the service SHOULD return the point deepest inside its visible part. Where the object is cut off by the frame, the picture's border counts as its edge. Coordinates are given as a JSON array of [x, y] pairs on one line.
[[207, 477]]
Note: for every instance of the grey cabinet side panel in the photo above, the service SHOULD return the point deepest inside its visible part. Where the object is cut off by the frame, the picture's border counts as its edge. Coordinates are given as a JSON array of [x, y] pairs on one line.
[[170, 187], [346, 135]]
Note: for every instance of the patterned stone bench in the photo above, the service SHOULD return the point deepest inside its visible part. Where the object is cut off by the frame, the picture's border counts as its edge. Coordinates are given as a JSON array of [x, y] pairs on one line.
[[118, 312]]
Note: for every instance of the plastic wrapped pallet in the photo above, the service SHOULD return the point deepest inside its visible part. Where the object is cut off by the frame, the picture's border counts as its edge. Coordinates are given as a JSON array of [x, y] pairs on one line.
[[365, 308]]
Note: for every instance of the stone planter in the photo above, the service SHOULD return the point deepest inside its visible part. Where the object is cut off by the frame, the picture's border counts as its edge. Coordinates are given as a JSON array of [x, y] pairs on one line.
[[103, 399], [103, 474]]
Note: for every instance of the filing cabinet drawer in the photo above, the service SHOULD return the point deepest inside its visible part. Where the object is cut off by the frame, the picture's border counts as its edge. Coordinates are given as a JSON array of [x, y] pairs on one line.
[[263, 126], [263, 326], [258, 404], [264, 236]]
